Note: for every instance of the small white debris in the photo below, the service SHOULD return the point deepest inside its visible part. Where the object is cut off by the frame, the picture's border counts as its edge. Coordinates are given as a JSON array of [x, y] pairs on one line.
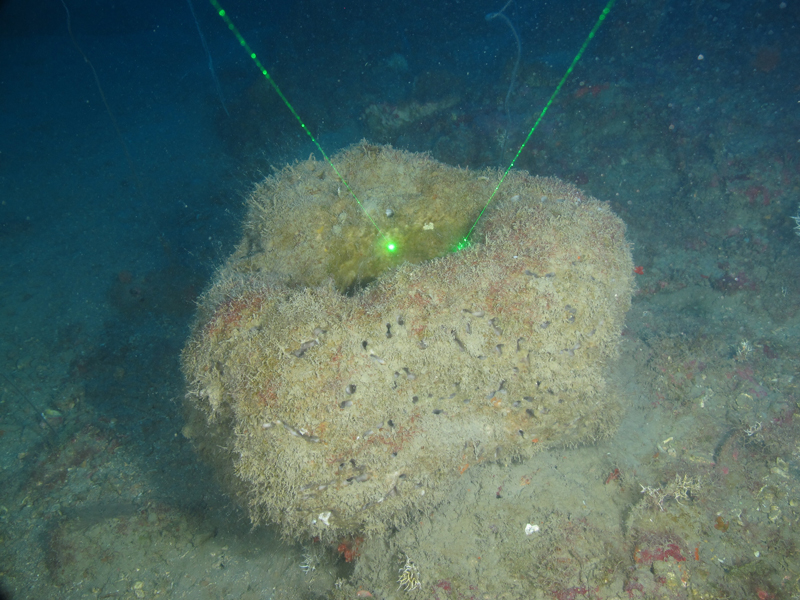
[[428, 226], [531, 529], [324, 516]]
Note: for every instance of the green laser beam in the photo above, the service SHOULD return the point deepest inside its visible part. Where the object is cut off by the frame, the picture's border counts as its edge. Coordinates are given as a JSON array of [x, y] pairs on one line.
[[465, 240], [390, 245]]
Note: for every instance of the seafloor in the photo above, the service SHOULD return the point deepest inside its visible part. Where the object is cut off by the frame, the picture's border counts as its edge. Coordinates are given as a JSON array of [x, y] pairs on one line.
[[122, 178]]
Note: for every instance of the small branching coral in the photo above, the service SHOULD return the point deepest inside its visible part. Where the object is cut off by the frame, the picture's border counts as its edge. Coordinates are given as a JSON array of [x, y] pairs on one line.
[[409, 576], [311, 560], [680, 490]]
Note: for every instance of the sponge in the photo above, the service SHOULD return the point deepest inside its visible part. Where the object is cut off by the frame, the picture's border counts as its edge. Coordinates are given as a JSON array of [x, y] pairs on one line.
[[341, 395]]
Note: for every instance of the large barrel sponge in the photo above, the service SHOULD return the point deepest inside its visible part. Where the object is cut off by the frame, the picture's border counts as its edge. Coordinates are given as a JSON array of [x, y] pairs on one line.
[[338, 413]]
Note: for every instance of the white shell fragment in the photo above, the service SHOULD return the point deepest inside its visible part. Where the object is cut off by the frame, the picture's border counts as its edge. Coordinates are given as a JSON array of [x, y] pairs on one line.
[[324, 516], [531, 529]]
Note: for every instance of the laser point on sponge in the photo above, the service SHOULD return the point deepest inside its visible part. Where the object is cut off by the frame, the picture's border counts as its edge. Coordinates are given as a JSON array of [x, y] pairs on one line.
[[330, 377]]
